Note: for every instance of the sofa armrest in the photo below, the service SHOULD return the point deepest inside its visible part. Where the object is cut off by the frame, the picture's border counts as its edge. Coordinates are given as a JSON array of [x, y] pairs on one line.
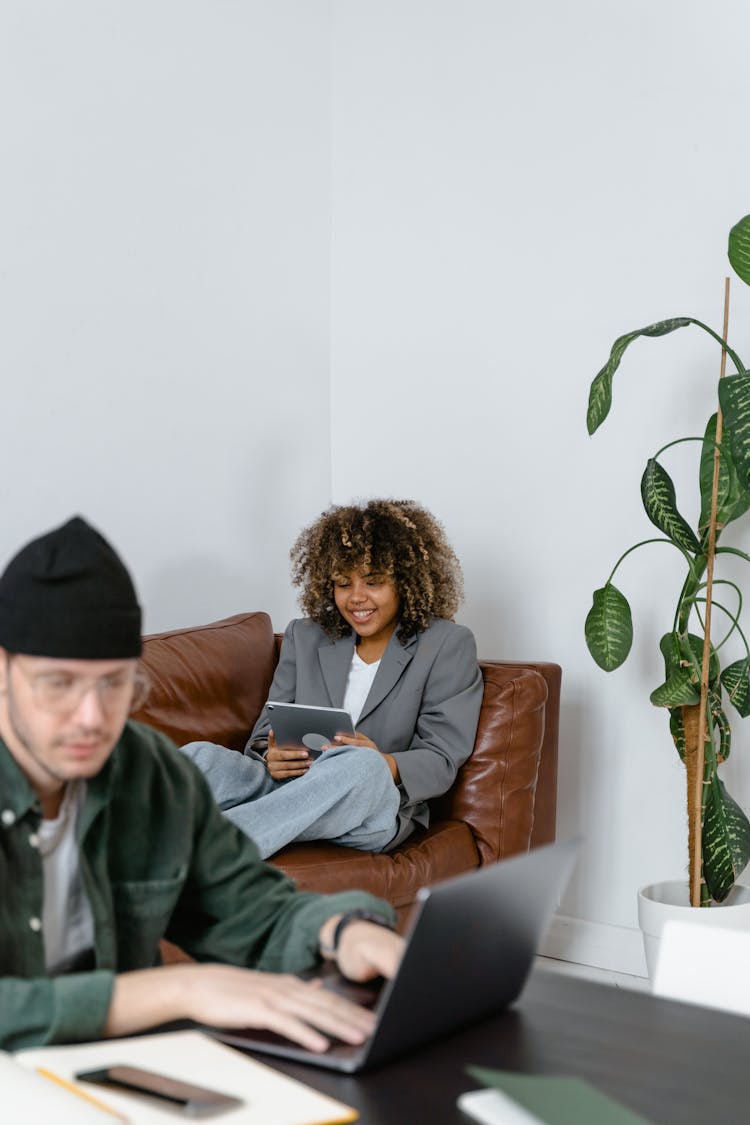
[[506, 791]]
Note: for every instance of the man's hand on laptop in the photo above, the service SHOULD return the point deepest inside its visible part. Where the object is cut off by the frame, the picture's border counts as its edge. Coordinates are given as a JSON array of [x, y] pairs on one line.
[[229, 997], [364, 950]]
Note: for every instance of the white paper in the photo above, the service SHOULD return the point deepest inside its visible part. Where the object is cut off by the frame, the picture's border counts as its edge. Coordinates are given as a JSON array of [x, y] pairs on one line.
[[269, 1098], [29, 1097], [493, 1107]]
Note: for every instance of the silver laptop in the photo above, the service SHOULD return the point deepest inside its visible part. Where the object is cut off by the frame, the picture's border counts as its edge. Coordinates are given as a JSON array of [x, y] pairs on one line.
[[468, 953]]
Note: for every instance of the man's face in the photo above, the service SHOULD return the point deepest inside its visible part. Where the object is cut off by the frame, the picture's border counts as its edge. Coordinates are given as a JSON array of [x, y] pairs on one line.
[[62, 718]]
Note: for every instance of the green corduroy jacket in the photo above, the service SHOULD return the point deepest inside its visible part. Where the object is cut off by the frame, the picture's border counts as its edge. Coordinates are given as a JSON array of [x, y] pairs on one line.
[[158, 860]]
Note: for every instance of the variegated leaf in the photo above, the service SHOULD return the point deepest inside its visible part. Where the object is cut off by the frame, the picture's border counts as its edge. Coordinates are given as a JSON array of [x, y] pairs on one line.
[[675, 657], [600, 394], [669, 646], [708, 449], [678, 690], [726, 840], [660, 502], [696, 646], [677, 730], [732, 500], [609, 628], [721, 724], [736, 681], [739, 248], [734, 396]]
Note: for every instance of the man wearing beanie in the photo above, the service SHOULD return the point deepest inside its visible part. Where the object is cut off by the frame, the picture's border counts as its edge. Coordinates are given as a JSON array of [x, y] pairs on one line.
[[110, 841]]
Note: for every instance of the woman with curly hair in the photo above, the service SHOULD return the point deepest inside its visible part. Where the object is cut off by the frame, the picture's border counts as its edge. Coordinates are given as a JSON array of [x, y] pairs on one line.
[[380, 585]]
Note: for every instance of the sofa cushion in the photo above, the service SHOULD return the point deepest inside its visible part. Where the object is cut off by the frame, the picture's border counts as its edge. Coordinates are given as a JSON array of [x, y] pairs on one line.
[[444, 850], [209, 682]]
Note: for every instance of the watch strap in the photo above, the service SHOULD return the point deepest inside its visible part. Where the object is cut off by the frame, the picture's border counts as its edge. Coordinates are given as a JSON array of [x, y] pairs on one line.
[[345, 919]]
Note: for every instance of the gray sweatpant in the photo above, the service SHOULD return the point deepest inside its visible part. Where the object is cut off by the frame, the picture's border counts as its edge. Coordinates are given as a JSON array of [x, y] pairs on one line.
[[347, 797]]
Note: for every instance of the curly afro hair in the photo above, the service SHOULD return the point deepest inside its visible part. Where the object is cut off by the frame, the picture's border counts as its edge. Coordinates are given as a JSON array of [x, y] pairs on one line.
[[394, 538]]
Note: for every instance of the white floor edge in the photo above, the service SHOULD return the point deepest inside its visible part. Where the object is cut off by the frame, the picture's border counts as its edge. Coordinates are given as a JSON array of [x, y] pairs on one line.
[[615, 948]]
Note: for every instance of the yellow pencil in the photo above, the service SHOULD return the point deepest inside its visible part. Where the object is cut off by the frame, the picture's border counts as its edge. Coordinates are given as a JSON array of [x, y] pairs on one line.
[[66, 1085]]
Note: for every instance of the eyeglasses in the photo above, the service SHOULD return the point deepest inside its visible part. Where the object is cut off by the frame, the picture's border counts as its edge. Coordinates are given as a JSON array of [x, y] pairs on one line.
[[60, 693]]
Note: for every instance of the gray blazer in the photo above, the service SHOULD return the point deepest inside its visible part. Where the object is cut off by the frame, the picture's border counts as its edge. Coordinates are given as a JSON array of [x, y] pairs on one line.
[[423, 706]]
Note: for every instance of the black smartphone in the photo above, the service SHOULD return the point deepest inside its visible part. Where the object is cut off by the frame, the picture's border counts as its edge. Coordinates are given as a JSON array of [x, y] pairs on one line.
[[194, 1101]]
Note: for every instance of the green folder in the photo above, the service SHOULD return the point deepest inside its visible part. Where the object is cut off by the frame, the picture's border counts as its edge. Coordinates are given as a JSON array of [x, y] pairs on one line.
[[558, 1100]]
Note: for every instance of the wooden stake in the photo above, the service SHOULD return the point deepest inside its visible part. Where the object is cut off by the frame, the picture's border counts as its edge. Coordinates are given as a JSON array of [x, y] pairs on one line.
[[695, 794]]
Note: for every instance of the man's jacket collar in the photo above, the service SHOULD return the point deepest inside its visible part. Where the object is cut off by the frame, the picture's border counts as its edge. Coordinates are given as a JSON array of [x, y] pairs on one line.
[[18, 796]]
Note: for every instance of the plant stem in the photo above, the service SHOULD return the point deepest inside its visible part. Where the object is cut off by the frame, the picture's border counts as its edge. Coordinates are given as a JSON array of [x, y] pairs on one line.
[[733, 551], [677, 441], [643, 543], [696, 781], [725, 348], [733, 617]]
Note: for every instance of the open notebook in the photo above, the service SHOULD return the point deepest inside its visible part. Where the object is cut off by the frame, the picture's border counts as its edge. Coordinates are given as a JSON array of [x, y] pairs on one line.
[[268, 1097]]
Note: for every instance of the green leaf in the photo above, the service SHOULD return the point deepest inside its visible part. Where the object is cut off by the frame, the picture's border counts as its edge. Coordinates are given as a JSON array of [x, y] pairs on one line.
[[696, 646], [609, 628], [677, 730], [678, 655], [721, 724], [732, 499], [726, 840], [706, 475], [660, 502], [734, 396], [669, 646], [680, 679], [678, 690], [739, 248], [600, 394], [736, 680]]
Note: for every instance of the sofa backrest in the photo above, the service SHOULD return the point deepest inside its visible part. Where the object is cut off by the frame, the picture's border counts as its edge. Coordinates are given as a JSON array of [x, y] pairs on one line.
[[210, 681]]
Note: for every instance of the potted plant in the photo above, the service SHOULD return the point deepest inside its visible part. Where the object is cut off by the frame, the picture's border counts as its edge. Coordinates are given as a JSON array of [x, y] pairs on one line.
[[700, 685]]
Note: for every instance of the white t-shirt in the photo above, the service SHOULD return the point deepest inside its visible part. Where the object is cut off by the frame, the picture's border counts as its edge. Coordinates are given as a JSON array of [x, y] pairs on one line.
[[67, 922], [358, 685]]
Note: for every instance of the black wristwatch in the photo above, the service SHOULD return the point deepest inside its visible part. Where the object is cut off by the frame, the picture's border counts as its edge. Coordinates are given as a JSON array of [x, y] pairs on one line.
[[352, 916]]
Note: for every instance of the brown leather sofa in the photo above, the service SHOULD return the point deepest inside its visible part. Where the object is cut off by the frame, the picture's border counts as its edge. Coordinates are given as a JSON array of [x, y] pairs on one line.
[[210, 682]]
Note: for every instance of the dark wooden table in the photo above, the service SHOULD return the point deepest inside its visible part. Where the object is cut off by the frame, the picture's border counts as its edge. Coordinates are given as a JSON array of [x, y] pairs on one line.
[[673, 1063]]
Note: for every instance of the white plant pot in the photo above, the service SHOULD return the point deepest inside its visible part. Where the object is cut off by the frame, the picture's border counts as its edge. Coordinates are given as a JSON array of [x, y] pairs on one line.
[[662, 902]]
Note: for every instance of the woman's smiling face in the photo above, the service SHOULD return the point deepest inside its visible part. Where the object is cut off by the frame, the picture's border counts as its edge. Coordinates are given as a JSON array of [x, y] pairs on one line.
[[368, 602]]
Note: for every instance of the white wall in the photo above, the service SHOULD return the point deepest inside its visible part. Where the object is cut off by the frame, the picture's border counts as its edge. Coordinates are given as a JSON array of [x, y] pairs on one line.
[[164, 287], [514, 187]]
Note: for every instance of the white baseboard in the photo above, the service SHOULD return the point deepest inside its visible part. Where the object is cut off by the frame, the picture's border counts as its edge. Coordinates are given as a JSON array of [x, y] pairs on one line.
[[618, 948]]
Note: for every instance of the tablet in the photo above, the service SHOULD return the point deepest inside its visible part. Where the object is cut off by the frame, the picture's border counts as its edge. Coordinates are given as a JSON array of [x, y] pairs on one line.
[[298, 724]]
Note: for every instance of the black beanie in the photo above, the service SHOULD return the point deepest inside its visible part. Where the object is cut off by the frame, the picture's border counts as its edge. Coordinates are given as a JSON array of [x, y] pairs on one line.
[[67, 594]]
